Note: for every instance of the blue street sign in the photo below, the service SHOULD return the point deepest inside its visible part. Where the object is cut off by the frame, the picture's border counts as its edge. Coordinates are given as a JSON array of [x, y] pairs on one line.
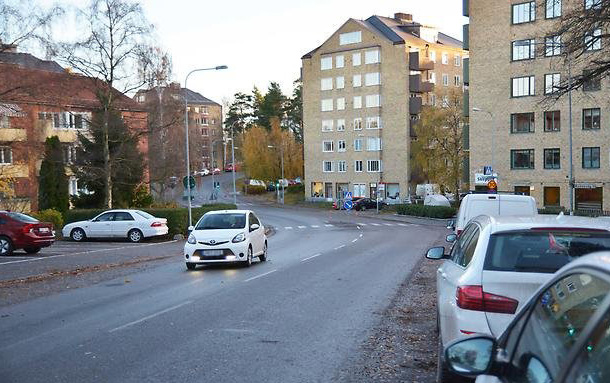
[[487, 170], [348, 204], [348, 195]]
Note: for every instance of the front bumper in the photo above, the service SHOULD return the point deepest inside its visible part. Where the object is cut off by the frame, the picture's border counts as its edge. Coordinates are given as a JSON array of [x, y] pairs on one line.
[[231, 252]]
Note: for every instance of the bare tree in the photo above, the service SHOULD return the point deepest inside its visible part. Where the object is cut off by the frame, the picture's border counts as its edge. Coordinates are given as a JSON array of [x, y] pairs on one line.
[[109, 53], [23, 22]]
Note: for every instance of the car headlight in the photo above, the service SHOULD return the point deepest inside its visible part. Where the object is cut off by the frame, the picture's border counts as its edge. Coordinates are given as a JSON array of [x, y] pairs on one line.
[[239, 238], [192, 240]]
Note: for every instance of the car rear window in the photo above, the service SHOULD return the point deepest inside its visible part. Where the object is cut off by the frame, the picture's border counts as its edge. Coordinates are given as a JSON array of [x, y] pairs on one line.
[[22, 217], [541, 251], [222, 221], [145, 214]]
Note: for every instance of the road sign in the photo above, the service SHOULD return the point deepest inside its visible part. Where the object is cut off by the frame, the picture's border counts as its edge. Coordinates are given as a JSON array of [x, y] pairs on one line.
[[487, 170], [188, 182], [348, 196], [348, 204]]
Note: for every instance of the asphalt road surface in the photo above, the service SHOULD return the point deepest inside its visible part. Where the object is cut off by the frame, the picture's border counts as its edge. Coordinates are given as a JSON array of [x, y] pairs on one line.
[[296, 318]]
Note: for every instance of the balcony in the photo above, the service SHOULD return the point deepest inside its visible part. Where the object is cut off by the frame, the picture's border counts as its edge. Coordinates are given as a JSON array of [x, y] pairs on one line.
[[465, 8], [415, 105], [418, 62], [466, 34], [466, 103], [466, 69], [416, 85]]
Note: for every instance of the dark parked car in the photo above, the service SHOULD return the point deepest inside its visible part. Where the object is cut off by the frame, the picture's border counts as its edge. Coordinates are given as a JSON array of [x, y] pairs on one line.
[[367, 203], [20, 231]]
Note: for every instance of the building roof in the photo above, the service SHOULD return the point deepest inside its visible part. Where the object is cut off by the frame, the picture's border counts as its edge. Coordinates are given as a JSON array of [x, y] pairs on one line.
[[10, 110], [63, 89], [196, 98], [27, 60]]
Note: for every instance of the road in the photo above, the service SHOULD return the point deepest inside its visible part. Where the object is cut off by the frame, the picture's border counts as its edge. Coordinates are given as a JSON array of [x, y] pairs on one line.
[[299, 317]]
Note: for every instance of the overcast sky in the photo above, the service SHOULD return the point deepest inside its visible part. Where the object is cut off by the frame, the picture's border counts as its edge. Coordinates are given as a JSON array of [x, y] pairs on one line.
[[263, 40]]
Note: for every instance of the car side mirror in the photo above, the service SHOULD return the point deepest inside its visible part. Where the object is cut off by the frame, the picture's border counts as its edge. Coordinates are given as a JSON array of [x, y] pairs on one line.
[[254, 226], [436, 253], [189, 230], [451, 224], [471, 356], [451, 238]]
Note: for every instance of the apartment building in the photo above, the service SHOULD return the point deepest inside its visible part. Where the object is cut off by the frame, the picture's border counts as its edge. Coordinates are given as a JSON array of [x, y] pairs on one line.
[[514, 126], [362, 88]]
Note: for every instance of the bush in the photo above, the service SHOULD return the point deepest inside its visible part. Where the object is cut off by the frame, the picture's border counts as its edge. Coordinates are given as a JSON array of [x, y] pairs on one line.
[[426, 211], [51, 215], [141, 197], [255, 189], [298, 188]]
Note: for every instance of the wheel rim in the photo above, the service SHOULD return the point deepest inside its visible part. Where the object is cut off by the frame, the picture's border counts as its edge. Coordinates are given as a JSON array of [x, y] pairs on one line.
[[4, 246], [249, 256], [135, 236], [77, 235]]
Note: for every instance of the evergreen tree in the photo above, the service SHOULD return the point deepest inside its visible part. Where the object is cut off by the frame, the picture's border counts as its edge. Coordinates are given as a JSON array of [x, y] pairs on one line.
[[240, 113], [53, 181], [294, 111]]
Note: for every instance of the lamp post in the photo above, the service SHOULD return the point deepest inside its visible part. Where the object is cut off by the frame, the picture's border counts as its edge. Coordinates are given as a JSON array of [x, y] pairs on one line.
[[214, 167], [186, 134], [282, 159], [233, 163]]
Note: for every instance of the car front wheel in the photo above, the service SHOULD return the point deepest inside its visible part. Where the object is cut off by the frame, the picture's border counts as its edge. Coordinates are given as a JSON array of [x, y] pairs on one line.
[[77, 234], [135, 235], [248, 261], [32, 250], [263, 256], [6, 246]]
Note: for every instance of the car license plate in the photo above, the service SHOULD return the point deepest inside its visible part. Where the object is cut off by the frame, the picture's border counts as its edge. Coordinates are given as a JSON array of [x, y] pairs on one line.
[[212, 253], [44, 230]]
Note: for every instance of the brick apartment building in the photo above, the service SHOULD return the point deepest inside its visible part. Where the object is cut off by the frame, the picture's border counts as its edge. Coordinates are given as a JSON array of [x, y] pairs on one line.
[[38, 99], [514, 125], [362, 90]]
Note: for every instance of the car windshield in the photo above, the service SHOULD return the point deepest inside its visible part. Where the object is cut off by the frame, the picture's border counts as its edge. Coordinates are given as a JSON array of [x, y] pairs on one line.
[[145, 214], [542, 251], [222, 221], [22, 217]]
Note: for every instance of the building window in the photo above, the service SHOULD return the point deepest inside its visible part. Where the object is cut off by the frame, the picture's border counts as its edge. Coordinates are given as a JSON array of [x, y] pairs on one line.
[[371, 79], [551, 83], [341, 166], [373, 123], [69, 152], [373, 144], [328, 146], [357, 80], [552, 46], [522, 123], [358, 145], [432, 99], [552, 159], [327, 166], [523, 86], [327, 125], [524, 49], [591, 83], [522, 159], [340, 125], [326, 83], [6, 155], [445, 58], [457, 60], [357, 123], [373, 101], [524, 12], [326, 63], [357, 102], [552, 121], [432, 77], [593, 4], [457, 80], [73, 185], [553, 9], [358, 169], [590, 158], [356, 59], [432, 56], [591, 118], [341, 103], [445, 79], [551, 196], [327, 105], [340, 81], [5, 123], [204, 110], [372, 57], [339, 61], [359, 190], [593, 40], [350, 38], [341, 146], [373, 166]]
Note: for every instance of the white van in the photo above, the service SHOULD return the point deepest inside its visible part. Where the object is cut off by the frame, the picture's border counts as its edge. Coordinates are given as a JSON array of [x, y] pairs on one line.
[[492, 204]]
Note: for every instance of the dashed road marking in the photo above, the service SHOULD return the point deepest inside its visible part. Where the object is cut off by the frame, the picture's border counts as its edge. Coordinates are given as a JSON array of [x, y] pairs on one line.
[[388, 224], [261, 275], [361, 224], [328, 225], [302, 227], [360, 236], [376, 224], [339, 247], [288, 227], [308, 258], [354, 240], [315, 226], [150, 316], [402, 224]]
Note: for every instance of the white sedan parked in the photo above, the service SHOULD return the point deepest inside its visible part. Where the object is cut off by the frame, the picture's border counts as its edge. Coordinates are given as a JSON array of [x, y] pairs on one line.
[[226, 236], [134, 225]]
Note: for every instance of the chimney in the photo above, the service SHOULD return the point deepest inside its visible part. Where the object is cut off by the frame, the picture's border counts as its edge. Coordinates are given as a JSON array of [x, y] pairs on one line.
[[404, 18]]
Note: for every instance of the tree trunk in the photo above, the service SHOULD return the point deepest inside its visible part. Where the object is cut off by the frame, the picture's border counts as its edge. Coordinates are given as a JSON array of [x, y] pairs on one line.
[[107, 165]]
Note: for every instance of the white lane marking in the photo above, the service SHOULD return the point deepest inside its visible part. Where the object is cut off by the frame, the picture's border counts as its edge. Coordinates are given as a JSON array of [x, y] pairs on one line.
[[402, 224], [288, 227], [308, 258], [376, 224], [354, 240], [261, 275], [361, 224], [360, 235], [302, 227], [315, 226], [91, 251], [328, 225], [388, 224], [339, 247], [150, 316]]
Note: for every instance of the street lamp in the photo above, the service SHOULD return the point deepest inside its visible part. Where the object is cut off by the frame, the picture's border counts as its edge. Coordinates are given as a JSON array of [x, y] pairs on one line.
[[233, 163], [186, 135], [282, 156], [214, 167]]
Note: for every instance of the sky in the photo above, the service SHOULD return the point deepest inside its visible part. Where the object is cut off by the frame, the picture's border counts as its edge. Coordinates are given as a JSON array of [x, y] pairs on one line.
[[263, 40]]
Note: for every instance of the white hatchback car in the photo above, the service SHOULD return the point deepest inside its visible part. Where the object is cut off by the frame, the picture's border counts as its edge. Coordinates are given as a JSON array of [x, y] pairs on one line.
[[135, 225], [226, 236], [497, 263]]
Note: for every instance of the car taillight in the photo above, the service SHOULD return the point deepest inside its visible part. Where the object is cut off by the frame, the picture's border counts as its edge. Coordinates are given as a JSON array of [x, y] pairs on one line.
[[28, 228], [156, 224], [474, 298]]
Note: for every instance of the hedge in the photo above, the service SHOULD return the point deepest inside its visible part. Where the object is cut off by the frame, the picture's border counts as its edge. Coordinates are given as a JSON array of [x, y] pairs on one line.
[[50, 215], [177, 218], [298, 188], [426, 211], [255, 189]]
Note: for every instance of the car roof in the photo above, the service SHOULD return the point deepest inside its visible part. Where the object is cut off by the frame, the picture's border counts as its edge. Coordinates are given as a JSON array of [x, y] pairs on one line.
[[525, 222], [503, 197], [235, 211]]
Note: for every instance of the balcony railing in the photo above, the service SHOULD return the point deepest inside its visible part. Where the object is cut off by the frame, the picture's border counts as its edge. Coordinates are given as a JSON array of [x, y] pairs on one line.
[[415, 104], [416, 85], [418, 62]]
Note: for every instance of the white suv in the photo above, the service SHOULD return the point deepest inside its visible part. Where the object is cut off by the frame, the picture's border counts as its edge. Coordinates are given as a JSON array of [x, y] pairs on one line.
[[497, 263], [225, 237]]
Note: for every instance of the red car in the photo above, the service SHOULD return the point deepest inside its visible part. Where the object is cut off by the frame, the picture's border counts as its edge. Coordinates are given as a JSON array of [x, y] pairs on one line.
[[20, 231]]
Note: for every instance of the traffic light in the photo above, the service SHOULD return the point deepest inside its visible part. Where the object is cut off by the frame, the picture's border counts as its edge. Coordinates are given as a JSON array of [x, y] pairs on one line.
[[492, 187]]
